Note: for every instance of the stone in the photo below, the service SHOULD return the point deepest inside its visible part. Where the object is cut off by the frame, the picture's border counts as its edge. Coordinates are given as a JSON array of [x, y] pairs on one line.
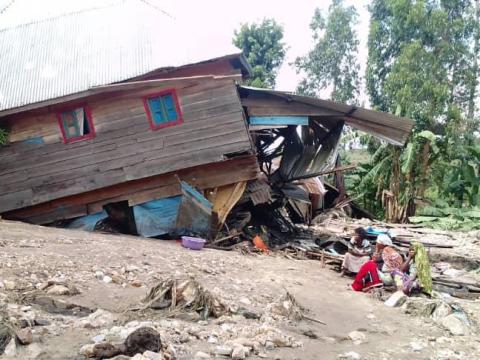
[[25, 336], [41, 322], [454, 325], [58, 290], [99, 274], [200, 355], [350, 355], [442, 310], [269, 345], [356, 336], [141, 340], [131, 268], [239, 352], [419, 306], [11, 349], [398, 298], [136, 283], [212, 340], [99, 338], [170, 352], [9, 284], [33, 351], [150, 355], [223, 350], [245, 301], [87, 350], [107, 279], [98, 319], [416, 347]]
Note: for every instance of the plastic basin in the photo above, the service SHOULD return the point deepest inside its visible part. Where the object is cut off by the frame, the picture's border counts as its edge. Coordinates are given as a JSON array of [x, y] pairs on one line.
[[193, 243]]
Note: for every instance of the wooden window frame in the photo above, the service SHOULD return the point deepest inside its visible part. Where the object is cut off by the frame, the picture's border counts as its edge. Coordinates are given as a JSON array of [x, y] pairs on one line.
[[88, 113], [151, 121]]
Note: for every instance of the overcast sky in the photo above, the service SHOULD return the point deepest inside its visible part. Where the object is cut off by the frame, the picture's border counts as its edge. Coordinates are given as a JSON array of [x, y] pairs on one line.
[[214, 20]]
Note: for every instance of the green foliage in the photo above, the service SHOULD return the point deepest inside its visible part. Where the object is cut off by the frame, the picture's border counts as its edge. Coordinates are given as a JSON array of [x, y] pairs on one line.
[[264, 49], [423, 64], [3, 137], [448, 218], [332, 63]]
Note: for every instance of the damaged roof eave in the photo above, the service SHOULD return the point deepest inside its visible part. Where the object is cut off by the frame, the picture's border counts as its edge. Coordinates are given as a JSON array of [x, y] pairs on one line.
[[393, 129]]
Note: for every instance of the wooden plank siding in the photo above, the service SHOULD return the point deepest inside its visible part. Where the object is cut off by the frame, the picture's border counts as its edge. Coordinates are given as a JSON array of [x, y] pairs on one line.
[[124, 147], [207, 176]]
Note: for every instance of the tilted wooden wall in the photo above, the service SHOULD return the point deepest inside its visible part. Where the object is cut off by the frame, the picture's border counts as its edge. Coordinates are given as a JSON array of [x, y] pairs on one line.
[[124, 148]]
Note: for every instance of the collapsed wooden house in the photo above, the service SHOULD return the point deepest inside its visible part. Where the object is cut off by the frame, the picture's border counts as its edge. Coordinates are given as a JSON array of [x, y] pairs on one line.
[[112, 125]]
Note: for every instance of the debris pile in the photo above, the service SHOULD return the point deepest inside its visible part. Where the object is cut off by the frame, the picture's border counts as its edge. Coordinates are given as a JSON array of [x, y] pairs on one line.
[[185, 295]]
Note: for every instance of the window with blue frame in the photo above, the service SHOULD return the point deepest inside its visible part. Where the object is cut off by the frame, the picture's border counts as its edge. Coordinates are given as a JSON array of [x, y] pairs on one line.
[[76, 124], [163, 109]]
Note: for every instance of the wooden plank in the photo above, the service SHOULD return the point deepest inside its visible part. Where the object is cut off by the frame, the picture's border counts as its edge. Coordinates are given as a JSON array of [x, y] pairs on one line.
[[210, 175]]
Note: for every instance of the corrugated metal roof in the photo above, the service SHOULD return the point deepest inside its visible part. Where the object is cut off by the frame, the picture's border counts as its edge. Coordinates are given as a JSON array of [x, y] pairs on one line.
[[75, 52], [388, 127]]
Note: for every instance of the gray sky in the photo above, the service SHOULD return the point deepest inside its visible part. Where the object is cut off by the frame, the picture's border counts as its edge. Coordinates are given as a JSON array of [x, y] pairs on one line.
[[214, 20]]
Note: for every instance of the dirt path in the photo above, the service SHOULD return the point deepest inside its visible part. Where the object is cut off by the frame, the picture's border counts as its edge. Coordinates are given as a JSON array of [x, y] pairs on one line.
[[31, 255]]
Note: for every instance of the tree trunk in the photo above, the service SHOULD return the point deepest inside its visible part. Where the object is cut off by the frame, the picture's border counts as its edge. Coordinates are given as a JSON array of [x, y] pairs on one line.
[[473, 85]]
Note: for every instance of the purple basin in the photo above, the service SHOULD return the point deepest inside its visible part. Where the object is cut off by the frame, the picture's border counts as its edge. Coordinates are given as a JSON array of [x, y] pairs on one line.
[[193, 243]]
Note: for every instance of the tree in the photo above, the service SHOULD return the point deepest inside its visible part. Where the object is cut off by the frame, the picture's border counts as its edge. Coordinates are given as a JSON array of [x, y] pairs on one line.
[[264, 49], [422, 65], [332, 63]]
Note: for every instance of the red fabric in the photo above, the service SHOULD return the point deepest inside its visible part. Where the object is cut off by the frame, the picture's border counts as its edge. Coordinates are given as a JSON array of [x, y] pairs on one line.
[[366, 277]]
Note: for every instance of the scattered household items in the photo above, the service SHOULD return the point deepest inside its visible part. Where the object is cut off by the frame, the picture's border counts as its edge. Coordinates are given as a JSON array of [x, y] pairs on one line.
[[193, 243]]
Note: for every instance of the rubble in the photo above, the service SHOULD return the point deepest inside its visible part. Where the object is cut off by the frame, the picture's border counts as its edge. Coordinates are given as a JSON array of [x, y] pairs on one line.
[[269, 301], [453, 324], [185, 295]]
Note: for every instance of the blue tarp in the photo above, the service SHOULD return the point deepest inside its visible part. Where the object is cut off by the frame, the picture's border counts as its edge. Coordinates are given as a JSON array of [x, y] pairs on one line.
[[157, 217], [88, 222], [188, 214]]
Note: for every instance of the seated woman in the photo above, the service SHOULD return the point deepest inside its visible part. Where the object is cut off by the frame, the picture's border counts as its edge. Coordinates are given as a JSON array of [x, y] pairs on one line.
[[359, 251], [394, 270]]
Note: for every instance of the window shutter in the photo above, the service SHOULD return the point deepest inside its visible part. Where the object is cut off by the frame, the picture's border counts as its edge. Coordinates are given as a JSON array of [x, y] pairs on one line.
[[156, 108], [170, 108]]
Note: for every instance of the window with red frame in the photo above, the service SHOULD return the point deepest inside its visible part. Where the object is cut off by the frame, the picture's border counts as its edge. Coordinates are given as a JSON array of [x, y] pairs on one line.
[[163, 109], [76, 124]]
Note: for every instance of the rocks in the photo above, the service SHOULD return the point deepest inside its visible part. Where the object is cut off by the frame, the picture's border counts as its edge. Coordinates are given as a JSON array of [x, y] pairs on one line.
[[98, 319], [9, 284], [141, 340], [25, 336], [416, 346], [58, 290], [357, 337], [239, 352], [200, 355], [104, 350], [420, 306], [136, 283], [223, 350], [11, 349], [5, 336], [398, 298], [107, 279], [150, 355], [442, 310], [350, 355], [454, 325]]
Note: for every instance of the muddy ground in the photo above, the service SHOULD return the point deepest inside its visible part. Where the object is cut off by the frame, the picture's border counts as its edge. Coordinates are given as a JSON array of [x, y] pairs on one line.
[[113, 273]]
